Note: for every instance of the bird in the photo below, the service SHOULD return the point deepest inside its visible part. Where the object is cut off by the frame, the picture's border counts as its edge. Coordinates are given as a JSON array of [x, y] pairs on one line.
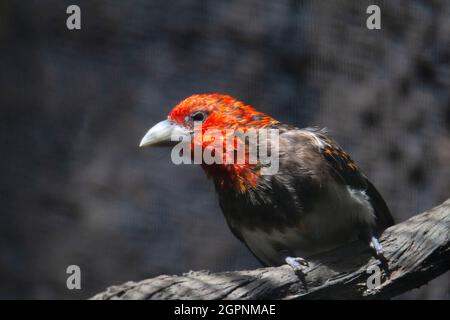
[[317, 200]]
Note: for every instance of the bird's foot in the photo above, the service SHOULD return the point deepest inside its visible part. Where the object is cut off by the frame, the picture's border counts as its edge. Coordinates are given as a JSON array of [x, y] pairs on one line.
[[299, 265], [379, 252], [376, 246]]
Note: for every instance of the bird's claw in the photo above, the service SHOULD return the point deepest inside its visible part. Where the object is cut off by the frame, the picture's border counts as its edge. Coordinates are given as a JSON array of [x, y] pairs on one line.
[[299, 265], [379, 252], [376, 246]]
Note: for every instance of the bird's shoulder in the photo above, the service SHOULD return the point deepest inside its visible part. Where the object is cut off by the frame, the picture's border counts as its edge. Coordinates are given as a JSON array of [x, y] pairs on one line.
[[315, 148]]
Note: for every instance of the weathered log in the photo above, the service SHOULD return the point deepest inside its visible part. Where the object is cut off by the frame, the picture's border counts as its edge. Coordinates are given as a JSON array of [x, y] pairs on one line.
[[417, 251]]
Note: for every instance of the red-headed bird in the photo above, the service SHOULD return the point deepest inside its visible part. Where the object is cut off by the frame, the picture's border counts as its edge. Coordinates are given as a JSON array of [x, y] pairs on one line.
[[317, 200]]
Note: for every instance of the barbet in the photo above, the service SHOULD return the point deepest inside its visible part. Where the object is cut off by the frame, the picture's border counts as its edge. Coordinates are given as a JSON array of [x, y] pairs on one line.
[[317, 200]]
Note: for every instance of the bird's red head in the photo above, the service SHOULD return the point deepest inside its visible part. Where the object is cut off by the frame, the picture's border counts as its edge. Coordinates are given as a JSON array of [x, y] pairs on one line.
[[218, 111], [215, 113]]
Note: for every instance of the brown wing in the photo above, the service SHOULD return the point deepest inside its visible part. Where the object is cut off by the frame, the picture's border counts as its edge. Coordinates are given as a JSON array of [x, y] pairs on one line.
[[344, 169]]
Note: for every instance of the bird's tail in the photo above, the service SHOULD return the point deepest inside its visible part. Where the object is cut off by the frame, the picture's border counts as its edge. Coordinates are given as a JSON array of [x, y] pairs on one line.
[[382, 212]]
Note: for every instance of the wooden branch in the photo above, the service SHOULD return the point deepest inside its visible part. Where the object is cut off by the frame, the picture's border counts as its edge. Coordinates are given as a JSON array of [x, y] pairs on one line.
[[417, 251]]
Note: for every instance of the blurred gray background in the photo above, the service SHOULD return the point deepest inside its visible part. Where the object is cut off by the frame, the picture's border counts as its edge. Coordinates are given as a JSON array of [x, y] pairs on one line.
[[74, 187]]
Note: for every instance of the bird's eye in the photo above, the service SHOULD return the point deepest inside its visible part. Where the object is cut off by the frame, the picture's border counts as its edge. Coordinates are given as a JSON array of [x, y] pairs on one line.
[[198, 116]]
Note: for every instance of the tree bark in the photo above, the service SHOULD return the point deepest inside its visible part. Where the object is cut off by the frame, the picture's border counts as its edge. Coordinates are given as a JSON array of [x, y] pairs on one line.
[[417, 251]]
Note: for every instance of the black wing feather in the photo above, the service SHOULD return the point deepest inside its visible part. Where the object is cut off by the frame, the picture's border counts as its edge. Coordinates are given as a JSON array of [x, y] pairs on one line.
[[345, 170]]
